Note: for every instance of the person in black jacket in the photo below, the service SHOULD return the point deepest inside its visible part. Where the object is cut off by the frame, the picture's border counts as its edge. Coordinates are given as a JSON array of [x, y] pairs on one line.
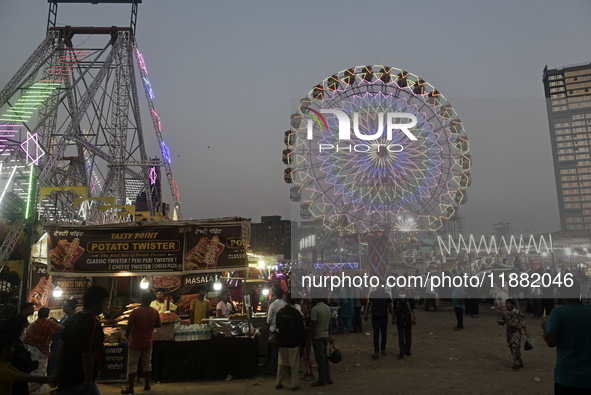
[[292, 340], [20, 358], [403, 316]]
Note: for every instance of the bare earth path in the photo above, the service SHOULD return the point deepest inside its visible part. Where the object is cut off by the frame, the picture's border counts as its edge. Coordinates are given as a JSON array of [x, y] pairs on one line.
[[473, 361]]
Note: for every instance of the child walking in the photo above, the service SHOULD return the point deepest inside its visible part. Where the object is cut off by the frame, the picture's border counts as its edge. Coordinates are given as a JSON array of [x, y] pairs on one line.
[[308, 372], [515, 322]]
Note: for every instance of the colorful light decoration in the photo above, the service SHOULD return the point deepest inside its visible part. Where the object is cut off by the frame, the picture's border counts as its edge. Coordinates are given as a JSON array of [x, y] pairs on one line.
[[150, 92], [33, 97], [165, 152], [153, 175], [337, 266], [176, 189], [157, 118], [31, 171], [141, 61], [491, 246], [38, 152], [7, 183], [96, 183], [366, 190], [406, 225]]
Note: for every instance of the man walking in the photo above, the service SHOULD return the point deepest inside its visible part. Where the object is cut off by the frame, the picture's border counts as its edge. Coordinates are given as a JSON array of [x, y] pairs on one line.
[[357, 305], [321, 336], [379, 304], [567, 329], [274, 308], [291, 343], [430, 295], [81, 353], [140, 328], [457, 297], [403, 317]]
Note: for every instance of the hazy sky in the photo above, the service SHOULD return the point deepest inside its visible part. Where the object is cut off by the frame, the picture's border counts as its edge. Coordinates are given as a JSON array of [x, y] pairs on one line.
[[225, 74]]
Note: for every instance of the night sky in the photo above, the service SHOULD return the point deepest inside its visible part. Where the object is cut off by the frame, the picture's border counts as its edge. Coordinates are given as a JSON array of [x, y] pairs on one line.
[[226, 74]]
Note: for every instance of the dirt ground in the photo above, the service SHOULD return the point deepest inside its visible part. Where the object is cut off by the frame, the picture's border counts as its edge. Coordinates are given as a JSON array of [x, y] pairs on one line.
[[475, 360]]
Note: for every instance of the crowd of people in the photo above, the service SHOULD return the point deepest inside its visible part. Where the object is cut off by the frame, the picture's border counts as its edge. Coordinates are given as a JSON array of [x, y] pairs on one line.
[[566, 327], [70, 354]]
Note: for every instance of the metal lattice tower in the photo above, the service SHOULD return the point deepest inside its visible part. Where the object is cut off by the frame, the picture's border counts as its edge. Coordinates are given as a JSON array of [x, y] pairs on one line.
[[71, 114]]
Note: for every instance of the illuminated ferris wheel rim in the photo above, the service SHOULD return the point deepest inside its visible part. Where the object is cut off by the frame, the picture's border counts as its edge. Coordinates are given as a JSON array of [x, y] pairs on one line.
[[442, 164]]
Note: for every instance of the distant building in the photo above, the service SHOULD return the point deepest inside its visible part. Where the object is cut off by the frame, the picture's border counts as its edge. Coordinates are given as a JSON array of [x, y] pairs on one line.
[[503, 229], [272, 236], [455, 227], [568, 94]]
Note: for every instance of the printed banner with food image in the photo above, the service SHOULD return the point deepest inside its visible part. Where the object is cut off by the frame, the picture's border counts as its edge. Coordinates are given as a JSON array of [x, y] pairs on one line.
[[183, 289], [43, 285], [107, 250], [215, 247]]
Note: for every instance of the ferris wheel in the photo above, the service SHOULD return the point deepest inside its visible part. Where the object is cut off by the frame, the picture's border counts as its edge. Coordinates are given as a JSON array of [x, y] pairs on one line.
[[374, 148]]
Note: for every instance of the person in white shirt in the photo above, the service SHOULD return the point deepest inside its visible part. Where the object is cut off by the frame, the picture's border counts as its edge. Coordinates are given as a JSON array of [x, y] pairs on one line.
[[224, 308], [274, 308]]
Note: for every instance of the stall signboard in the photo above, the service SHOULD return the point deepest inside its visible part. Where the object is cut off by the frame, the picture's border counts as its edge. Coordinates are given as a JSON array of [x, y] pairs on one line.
[[192, 282], [43, 284], [182, 285], [215, 247], [115, 366], [107, 250]]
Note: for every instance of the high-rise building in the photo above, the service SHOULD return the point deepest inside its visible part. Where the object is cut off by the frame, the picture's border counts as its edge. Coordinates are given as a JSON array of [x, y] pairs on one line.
[[568, 94], [272, 236], [503, 229], [455, 227]]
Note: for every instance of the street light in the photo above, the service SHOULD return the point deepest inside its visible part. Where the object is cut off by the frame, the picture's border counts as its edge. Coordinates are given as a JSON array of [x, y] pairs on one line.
[[57, 292], [144, 284]]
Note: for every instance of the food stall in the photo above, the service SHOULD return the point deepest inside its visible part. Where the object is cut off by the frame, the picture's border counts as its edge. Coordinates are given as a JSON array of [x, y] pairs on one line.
[[176, 258]]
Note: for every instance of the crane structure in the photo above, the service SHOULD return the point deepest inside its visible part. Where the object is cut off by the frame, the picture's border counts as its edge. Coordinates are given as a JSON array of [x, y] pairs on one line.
[[72, 147]]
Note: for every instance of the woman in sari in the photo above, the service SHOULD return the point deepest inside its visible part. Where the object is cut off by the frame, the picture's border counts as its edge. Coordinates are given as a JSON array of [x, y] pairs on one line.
[[38, 337]]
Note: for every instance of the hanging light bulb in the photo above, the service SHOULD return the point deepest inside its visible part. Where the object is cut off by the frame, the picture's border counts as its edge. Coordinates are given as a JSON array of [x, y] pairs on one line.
[[57, 292], [217, 286], [266, 291], [261, 264], [144, 284]]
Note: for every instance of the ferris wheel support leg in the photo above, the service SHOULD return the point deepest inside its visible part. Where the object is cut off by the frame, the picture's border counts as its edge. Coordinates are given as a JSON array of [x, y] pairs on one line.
[[120, 103], [157, 129], [138, 122]]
